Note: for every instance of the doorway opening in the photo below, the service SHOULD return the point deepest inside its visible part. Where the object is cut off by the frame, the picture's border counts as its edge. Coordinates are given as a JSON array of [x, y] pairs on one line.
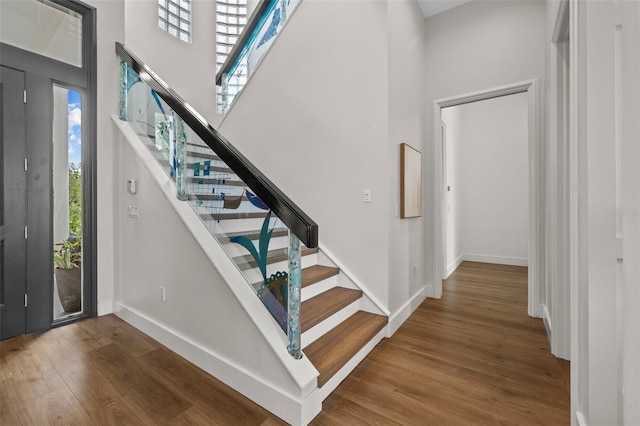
[[485, 170], [535, 207]]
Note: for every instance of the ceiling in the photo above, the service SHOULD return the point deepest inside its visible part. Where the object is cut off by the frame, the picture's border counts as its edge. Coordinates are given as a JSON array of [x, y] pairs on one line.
[[433, 7]]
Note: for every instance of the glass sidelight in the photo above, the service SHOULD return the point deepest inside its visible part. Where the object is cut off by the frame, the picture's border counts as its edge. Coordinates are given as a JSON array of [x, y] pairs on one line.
[[67, 202]]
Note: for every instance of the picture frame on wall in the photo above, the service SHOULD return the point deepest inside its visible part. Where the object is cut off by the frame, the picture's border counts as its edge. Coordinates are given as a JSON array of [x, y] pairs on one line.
[[410, 182]]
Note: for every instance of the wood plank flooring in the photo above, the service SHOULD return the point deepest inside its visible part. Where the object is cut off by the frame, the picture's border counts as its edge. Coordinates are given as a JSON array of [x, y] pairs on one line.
[[473, 357]]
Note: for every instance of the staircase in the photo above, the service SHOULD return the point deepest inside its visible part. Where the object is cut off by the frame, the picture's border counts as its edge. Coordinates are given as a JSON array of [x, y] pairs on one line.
[[337, 332]]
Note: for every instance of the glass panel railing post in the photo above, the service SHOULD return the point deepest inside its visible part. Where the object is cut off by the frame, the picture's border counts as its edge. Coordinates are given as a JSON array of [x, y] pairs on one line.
[[122, 113], [225, 93], [180, 139], [293, 303]]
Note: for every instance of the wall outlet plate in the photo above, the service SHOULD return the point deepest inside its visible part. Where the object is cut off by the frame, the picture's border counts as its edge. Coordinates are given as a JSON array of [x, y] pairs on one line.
[[134, 212]]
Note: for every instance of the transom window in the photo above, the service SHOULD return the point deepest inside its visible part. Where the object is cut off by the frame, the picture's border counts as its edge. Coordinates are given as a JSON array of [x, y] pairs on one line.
[[231, 17], [174, 16]]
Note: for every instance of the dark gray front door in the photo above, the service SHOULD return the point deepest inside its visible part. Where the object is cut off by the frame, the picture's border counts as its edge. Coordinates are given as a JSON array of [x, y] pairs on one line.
[[13, 204]]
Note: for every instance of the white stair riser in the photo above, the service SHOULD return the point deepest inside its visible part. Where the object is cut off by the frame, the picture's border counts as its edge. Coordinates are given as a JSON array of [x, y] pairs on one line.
[[253, 275], [234, 249], [215, 207], [241, 225], [319, 287], [319, 330]]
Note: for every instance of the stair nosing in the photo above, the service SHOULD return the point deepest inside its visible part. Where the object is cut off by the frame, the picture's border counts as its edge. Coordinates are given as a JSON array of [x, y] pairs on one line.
[[331, 341]]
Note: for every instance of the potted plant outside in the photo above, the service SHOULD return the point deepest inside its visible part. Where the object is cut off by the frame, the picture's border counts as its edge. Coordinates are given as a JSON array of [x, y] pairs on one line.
[[68, 274]]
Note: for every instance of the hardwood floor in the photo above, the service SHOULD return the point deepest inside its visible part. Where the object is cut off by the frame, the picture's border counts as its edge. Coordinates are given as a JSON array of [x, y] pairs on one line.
[[473, 357]]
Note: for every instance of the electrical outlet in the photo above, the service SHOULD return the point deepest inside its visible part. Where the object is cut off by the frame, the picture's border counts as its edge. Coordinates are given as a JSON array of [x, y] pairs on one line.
[[134, 212], [163, 294], [415, 271]]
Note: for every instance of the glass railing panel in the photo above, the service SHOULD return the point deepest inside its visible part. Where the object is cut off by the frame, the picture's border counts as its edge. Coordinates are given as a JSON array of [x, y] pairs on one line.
[[265, 251], [264, 30], [150, 117], [250, 233]]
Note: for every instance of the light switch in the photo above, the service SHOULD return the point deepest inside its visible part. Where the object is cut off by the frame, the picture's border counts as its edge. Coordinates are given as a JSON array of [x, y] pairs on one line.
[[366, 196], [131, 186]]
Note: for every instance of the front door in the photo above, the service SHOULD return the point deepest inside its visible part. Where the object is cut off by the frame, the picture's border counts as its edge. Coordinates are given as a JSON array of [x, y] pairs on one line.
[[13, 204]]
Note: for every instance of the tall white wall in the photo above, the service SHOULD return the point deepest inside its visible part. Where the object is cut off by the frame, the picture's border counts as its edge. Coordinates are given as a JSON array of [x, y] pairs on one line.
[[110, 28], [407, 286], [317, 108], [188, 68]]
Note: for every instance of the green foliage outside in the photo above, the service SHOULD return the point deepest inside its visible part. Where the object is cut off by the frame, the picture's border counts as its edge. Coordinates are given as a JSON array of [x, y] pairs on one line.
[[75, 201]]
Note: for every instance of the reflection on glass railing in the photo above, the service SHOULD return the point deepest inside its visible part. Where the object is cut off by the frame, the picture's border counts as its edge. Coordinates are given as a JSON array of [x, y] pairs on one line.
[[253, 237], [262, 37]]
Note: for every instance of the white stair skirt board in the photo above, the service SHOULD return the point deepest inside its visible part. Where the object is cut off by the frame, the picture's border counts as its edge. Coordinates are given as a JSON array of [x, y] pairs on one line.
[[402, 314], [328, 324], [500, 260], [453, 266], [319, 287], [342, 374]]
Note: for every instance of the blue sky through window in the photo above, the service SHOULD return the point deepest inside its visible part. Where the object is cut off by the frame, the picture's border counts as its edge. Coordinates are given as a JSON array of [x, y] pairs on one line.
[[75, 128]]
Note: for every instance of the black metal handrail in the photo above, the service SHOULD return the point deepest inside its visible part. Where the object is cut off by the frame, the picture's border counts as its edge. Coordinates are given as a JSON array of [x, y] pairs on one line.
[[291, 215], [252, 23]]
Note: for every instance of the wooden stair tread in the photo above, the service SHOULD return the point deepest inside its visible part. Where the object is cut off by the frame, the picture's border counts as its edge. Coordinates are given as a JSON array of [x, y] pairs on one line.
[[213, 180], [226, 216], [273, 256], [211, 197], [203, 155], [252, 235], [322, 306], [332, 351], [317, 273]]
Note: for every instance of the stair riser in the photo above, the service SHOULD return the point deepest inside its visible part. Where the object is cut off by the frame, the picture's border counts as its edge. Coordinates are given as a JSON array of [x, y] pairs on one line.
[[234, 249], [319, 330], [319, 287], [240, 225], [253, 275], [215, 207]]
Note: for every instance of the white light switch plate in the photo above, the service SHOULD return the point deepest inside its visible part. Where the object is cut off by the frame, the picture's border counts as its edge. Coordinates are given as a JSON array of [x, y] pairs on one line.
[[366, 196]]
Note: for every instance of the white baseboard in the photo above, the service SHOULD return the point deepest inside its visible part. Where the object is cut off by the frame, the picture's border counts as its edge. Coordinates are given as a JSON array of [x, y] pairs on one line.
[[580, 418], [288, 407], [402, 314], [105, 308], [500, 260], [454, 265]]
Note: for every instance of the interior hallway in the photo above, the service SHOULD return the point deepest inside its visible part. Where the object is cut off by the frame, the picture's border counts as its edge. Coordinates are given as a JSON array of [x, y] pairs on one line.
[[473, 357]]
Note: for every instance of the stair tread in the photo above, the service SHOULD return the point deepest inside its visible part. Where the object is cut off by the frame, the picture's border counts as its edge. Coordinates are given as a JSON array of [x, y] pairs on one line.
[[332, 351], [274, 256], [214, 180], [322, 306], [316, 273], [227, 216], [252, 235]]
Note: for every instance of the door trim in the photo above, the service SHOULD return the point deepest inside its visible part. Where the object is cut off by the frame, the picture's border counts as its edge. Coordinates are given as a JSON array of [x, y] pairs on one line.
[[536, 201]]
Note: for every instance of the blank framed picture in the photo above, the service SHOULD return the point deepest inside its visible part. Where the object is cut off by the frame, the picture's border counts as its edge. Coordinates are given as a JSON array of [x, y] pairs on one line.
[[410, 182]]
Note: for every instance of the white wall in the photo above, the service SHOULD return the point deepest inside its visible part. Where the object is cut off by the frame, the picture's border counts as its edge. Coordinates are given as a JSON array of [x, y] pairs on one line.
[[488, 144], [318, 112], [188, 68], [110, 28], [406, 115], [477, 46]]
